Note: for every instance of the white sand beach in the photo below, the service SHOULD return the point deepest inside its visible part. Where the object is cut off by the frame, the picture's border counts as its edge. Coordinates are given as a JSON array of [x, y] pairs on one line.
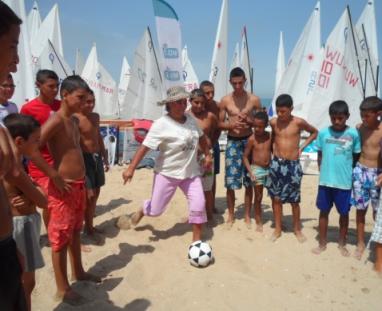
[[146, 268]]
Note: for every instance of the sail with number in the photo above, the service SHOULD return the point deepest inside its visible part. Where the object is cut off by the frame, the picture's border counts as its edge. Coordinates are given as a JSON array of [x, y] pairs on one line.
[[300, 75], [218, 74], [245, 63], [145, 86]]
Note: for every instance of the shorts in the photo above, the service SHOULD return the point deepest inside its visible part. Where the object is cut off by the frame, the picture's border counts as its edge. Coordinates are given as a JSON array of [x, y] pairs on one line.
[[95, 174], [284, 180], [261, 174], [26, 232], [164, 188], [66, 213], [365, 190], [376, 235], [326, 196], [12, 295], [42, 182], [216, 152], [235, 172], [207, 176]]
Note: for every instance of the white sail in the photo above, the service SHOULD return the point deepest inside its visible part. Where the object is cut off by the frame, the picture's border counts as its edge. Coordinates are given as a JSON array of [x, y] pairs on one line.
[[244, 60], [124, 79], [218, 74], [235, 62], [300, 75], [368, 44], [280, 67], [80, 63], [338, 77], [103, 85], [51, 59], [23, 78], [50, 29], [145, 86], [34, 21], [190, 78]]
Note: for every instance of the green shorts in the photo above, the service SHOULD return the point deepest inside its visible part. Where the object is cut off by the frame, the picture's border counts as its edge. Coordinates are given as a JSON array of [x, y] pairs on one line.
[[260, 173]]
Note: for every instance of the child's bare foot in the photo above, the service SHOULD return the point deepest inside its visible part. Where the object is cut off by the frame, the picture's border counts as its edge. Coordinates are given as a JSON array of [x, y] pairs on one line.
[[300, 237], [229, 223], [259, 227], [359, 252], [248, 223], [275, 235], [70, 297], [343, 250], [126, 222], [318, 250], [86, 276], [136, 217]]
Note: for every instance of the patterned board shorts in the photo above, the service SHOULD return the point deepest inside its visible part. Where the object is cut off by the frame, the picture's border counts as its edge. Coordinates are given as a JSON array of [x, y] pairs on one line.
[[260, 173], [365, 190], [284, 180], [235, 173], [207, 176]]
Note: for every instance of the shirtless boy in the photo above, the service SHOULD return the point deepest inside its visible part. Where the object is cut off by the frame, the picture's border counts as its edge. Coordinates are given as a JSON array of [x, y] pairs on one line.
[[208, 123], [11, 291], [24, 196], [365, 191], [212, 106], [66, 208], [41, 108], [285, 174], [256, 158], [95, 158], [238, 106]]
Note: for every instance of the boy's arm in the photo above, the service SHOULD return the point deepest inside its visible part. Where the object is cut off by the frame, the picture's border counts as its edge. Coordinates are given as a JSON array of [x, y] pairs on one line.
[[48, 130], [8, 154], [305, 126], [29, 190], [221, 122], [128, 173], [104, 154], [246, 155], [204, 145]]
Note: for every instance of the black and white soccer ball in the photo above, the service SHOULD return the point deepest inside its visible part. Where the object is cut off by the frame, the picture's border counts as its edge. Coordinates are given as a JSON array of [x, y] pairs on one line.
[[200, 254]]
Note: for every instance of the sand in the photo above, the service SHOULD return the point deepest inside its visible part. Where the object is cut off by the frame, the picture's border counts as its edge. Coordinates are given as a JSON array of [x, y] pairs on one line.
[[146, 268]]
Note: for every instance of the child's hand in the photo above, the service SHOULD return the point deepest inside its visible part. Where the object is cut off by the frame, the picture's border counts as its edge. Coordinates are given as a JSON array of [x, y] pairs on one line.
[[20, 202], [127, 175], [253, 177], [379, 180], [207, 163], [61, 184]]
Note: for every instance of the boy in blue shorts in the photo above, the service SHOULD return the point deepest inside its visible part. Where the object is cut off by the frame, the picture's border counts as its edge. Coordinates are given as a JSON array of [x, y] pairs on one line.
[[365, 190], [338, 146]]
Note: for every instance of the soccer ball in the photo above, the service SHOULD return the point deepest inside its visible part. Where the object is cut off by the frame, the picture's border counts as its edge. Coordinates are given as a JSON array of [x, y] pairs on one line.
[[200, 254]]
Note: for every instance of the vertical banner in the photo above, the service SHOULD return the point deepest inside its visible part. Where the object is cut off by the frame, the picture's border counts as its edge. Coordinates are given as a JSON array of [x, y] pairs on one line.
[[170, 43]]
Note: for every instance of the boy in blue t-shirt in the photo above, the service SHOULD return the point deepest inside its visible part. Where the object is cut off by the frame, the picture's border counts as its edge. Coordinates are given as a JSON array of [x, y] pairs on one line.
[[337, 146]]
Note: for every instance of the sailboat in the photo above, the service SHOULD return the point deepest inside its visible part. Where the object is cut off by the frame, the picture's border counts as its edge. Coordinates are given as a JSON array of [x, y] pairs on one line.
[[190, 79], [23, 78], [366, 29], [34, 22], [124, 80], [218, 73], [103, 85], [145, 86], [245, 63], [80, 63]]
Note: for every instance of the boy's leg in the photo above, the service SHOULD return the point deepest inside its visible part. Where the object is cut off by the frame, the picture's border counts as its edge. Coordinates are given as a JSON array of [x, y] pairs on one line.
[[231, 206], [360, 221], [378, 258], [296, 212], [29, 283], [248, 204], [277, 216], [344, 225], [91, 203], [60, 271], [322, 232], [209, 196], [257, 206], [196, 232]]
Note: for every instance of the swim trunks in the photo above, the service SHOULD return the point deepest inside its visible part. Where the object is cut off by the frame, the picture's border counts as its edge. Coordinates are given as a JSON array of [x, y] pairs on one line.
[[365, 189], [235, 172], [261, 174], [95, 175], [284, 180], [66, 213]]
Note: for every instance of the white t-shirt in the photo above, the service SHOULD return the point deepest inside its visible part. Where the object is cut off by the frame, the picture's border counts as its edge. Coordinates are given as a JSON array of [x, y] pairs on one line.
[[177, 144]]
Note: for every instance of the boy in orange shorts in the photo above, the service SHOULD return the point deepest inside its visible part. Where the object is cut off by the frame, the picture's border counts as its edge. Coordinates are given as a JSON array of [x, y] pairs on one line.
[[66, 208]]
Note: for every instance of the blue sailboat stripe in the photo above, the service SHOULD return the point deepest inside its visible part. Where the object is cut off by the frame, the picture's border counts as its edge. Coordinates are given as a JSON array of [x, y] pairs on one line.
[[163, 9]]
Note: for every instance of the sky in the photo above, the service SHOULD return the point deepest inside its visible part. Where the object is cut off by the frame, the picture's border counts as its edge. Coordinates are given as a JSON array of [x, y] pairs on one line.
[[116, 26]]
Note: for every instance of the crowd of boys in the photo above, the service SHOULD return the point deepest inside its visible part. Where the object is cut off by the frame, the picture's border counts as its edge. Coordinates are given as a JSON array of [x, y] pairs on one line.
[[67, 159]]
